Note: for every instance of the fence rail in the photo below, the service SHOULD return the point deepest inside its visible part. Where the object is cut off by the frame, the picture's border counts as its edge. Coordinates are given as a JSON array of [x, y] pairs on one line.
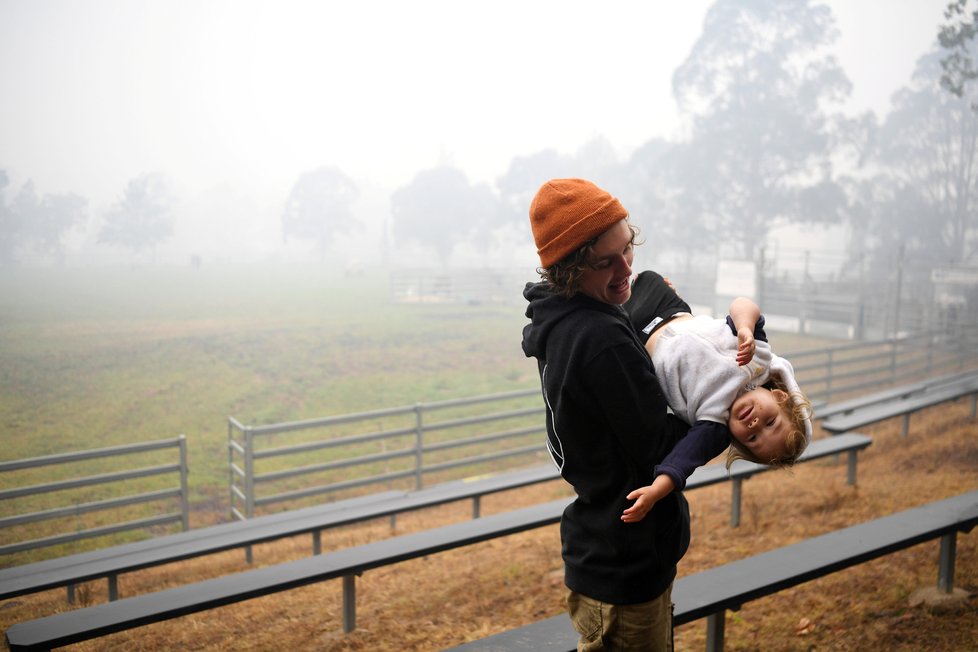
[[409, 444], [842, 370], [402, 444], [118, 478]]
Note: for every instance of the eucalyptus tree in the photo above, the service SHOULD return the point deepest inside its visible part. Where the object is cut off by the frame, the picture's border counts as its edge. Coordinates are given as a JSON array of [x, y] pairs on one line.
[[957, 37], [143, 217], [928, 151], [38, 225], [758, 87], [440, 209], [524, 176], [319, 207]]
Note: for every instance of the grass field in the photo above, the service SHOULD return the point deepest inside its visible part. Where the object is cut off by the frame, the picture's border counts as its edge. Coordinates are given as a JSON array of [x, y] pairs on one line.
[[100, 357]]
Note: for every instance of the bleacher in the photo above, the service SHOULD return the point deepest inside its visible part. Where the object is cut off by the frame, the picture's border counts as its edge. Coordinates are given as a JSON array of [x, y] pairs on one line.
[[99, 620], [710, 593]]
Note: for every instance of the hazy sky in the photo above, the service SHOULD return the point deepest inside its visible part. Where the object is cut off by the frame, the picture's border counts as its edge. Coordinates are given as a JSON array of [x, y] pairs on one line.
[[250, 94]]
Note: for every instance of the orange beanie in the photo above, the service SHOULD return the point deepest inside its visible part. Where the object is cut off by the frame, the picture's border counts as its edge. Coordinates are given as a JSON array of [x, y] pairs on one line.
[[567, 213]]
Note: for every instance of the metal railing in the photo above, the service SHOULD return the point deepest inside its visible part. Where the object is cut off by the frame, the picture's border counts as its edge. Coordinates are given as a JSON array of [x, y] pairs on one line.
[[850, 369], [403, 445], [122, 483], [409, 444]]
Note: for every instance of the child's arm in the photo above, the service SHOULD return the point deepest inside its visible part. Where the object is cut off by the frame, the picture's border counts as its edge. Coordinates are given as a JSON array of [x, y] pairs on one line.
[[646, 497], [744, 313], [704, 441]]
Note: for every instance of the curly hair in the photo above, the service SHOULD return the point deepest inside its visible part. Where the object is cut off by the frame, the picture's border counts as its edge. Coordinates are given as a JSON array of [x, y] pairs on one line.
[[564, 276], [797, 409]]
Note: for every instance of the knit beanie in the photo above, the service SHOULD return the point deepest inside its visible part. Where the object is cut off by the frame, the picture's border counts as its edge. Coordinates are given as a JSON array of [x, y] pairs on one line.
[[567, 213]]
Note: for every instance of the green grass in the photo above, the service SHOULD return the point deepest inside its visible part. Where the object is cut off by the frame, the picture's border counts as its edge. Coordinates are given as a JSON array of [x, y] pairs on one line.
[[100, 357]]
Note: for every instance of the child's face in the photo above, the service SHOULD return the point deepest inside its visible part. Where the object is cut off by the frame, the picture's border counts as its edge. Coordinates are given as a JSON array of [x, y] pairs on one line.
[[758, 422]]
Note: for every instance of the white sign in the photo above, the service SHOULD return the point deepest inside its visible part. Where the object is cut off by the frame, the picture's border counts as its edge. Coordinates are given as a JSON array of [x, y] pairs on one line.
[[959, 275]]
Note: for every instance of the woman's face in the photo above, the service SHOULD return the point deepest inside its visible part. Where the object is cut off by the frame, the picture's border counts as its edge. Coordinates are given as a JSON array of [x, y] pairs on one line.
[[610, 266], [759, 424]]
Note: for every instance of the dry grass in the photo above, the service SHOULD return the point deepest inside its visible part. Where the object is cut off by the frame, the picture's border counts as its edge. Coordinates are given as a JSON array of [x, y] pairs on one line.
[[442, 600]]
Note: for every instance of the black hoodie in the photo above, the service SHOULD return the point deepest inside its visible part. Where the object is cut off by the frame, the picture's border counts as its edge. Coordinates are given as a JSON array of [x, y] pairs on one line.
[[607, 428]]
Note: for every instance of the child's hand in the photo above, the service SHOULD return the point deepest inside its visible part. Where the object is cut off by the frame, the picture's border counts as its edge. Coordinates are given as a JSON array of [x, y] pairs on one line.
[[646, 497], [745, 346]]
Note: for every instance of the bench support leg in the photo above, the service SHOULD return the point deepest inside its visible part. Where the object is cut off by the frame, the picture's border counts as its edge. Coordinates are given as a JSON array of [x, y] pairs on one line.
[[393, 522], [349, 603], [851, 471], [945, 566], [476, 506], [714, 631], [71, 593], [974, 405], [906, 425], [317, 542], [113, 588], [735, 502]]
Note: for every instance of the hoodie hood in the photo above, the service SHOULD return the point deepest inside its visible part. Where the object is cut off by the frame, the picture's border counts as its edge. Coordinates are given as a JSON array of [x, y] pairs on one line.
[[546, 309]]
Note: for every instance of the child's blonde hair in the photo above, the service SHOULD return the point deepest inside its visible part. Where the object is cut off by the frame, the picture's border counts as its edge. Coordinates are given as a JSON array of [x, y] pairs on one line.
[[797, 409]]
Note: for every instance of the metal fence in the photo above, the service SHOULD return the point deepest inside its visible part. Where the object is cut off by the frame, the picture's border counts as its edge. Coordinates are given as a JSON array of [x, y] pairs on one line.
[[466, 286], [410, 446], [120, 483], [414, 446], [849, 369]]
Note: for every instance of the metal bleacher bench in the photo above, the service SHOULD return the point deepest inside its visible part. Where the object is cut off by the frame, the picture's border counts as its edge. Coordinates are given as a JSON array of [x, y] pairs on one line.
[[711, 592], [110, 562], [838, 408], [903, 404], [100, 620], [113, 561]]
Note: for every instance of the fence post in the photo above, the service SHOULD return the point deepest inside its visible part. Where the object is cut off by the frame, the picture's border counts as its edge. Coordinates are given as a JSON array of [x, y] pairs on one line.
[[249, 462], [894, 348], [418, 445], [899, 289], [184, 473], [828, 377], [230, 469]]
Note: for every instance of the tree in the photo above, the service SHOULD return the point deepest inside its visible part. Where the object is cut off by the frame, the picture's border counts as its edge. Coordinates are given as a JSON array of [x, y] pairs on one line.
[[956, 36], [524, 177], [56, 215], [9, 225], [142, 217], [660, 180], [757, 85], [318, 207], [928, 151], [439, 209], [41, 225]]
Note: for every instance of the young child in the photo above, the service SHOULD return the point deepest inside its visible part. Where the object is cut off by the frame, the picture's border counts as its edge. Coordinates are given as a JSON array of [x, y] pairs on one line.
[[721, 376]]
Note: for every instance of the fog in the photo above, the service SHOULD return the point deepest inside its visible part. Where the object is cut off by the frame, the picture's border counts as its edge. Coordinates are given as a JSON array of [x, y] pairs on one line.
[[413, 134]]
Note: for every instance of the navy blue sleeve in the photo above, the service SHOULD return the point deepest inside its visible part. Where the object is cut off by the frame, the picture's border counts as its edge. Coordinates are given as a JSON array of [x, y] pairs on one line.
[[759, 333], [704, 441]]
